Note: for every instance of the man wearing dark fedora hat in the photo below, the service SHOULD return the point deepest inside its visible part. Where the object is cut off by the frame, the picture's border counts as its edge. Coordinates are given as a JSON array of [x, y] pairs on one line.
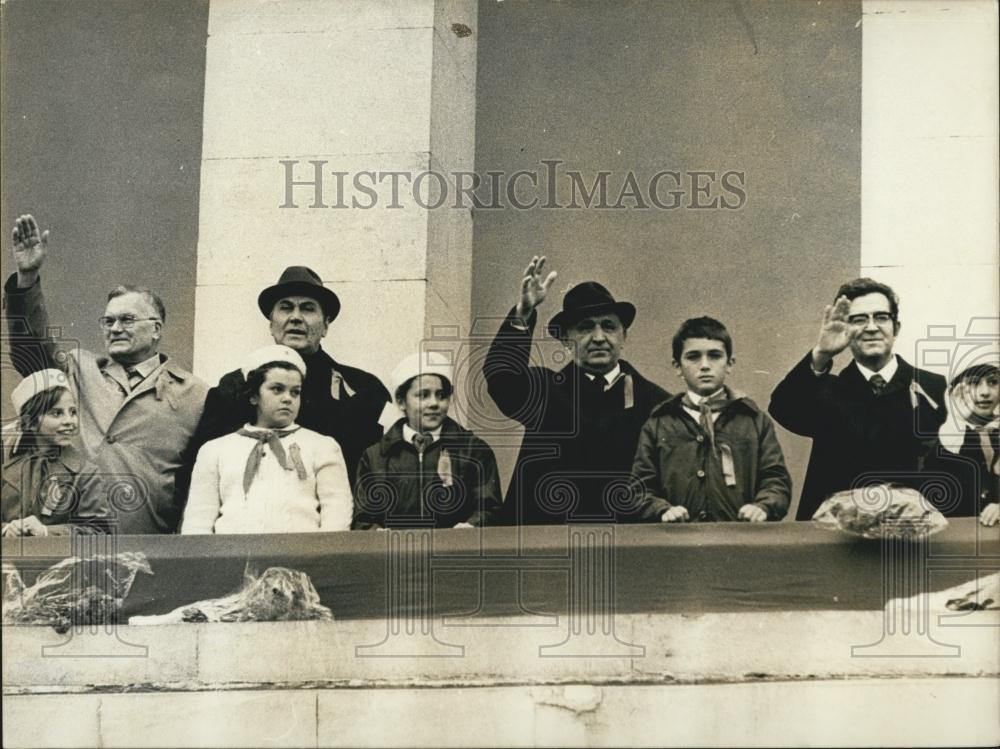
[[337, 400], [581, 423]]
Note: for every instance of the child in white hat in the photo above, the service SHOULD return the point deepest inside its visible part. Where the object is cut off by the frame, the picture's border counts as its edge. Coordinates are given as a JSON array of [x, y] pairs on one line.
[[968, 444], [271, 476], [428, 470], [38, 494]]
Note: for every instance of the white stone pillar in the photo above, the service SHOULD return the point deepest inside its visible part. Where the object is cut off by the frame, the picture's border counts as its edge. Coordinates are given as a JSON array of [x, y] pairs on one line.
[[930, 168], [378, 86]]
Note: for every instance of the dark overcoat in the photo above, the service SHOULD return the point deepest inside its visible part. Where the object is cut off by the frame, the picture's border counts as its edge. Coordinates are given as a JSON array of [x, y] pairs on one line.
[[859, 438], [455, 481], [579, 440]]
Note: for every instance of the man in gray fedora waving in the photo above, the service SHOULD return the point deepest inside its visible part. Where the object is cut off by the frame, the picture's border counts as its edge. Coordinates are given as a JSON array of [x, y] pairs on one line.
[[337, 400]]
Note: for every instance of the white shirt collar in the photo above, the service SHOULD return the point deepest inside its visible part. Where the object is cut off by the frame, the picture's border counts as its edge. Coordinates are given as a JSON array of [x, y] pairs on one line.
[[144, 368], [696, 399], [609, 377], [887, 371], [251, 428], [409, 433], [952, 433]]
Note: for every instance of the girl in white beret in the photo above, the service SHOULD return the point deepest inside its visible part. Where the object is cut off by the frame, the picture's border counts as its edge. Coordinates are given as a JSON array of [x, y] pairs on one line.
[[271, 476], [39, 477]]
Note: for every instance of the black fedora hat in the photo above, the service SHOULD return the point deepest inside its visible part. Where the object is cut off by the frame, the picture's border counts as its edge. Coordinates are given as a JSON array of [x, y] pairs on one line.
[[589, 299], [298, 280]]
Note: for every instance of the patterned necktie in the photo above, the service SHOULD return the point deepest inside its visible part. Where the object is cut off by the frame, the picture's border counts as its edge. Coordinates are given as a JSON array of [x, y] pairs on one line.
[[877, 383], [272, 438], [421, 441]]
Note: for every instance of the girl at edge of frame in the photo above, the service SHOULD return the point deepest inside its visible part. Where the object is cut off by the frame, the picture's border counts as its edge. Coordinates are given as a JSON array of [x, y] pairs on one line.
[[40, 474]]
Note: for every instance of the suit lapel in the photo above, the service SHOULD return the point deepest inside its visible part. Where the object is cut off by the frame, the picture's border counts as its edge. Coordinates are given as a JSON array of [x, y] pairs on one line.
[[101, 404], [116, 372], [902, 379]]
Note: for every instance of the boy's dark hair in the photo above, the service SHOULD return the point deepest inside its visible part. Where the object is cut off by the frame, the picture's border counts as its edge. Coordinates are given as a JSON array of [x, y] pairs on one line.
[[404, 388], [701, 327], [861, 286], [256, 377], [36, 407], [150, 296], [974, 374]]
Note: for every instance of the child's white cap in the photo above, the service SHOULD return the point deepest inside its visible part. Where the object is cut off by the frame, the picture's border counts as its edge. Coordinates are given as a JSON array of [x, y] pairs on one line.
[[274, 352], [986, 354], [35, 383], [424, 363]]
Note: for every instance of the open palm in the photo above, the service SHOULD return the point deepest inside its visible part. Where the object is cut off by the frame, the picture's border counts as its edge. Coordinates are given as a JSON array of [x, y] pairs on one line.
[[836, 333], [534, 286], [30, 244]]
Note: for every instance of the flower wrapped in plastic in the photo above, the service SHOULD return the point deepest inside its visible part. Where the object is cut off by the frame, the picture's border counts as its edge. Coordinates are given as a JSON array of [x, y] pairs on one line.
[[77, 591], [279, 594], [870, 510], [981, 595]]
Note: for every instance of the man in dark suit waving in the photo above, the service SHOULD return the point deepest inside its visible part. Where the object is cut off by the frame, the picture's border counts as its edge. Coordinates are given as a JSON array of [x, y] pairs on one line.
[[581, 423], [874, 421]]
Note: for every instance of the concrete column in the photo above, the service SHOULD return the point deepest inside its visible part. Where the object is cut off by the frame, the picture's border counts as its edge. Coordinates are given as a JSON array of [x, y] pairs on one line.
[[358, 86], [930, 170]]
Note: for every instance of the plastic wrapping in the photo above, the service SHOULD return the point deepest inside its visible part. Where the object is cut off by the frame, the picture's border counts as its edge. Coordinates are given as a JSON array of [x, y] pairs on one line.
[[867, 511], [76, 591], [279, 594], [983, 595]]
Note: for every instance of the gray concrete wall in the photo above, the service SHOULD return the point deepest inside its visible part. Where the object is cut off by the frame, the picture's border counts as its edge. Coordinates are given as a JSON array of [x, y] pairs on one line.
[[772, 89], [102, 112], [713, 680], [927, 712]]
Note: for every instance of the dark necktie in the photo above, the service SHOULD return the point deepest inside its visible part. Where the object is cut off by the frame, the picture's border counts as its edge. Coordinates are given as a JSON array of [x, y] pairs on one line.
[[421, 441], [877, 383], [597, 385], [134, 378], [986, 444]]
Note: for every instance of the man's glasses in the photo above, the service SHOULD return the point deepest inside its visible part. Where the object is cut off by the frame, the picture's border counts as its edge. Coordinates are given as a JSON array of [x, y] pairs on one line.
[[880, 318], [126, 321]]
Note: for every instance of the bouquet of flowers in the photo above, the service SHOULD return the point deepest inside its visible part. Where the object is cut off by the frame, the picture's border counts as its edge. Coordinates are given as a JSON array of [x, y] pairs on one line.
[[871, 510], [76, 591], [279, 594]]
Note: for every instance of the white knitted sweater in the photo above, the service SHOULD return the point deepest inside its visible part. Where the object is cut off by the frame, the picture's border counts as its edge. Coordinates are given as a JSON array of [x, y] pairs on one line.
[[278, 500]]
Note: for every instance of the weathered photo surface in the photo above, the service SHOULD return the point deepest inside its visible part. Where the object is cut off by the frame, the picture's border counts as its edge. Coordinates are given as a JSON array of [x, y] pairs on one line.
[[636, 362]]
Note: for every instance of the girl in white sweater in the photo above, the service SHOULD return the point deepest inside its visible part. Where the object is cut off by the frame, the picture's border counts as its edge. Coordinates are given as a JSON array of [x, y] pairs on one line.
[[271, 476]]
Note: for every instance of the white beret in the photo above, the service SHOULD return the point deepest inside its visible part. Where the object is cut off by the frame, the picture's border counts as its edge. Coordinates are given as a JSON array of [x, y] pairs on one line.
[[272, 353], [426, 362], [35, 383]]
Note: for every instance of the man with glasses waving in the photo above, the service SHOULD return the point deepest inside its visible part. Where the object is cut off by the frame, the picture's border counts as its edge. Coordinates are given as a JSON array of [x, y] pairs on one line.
[[872, 422], [138, 408]]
